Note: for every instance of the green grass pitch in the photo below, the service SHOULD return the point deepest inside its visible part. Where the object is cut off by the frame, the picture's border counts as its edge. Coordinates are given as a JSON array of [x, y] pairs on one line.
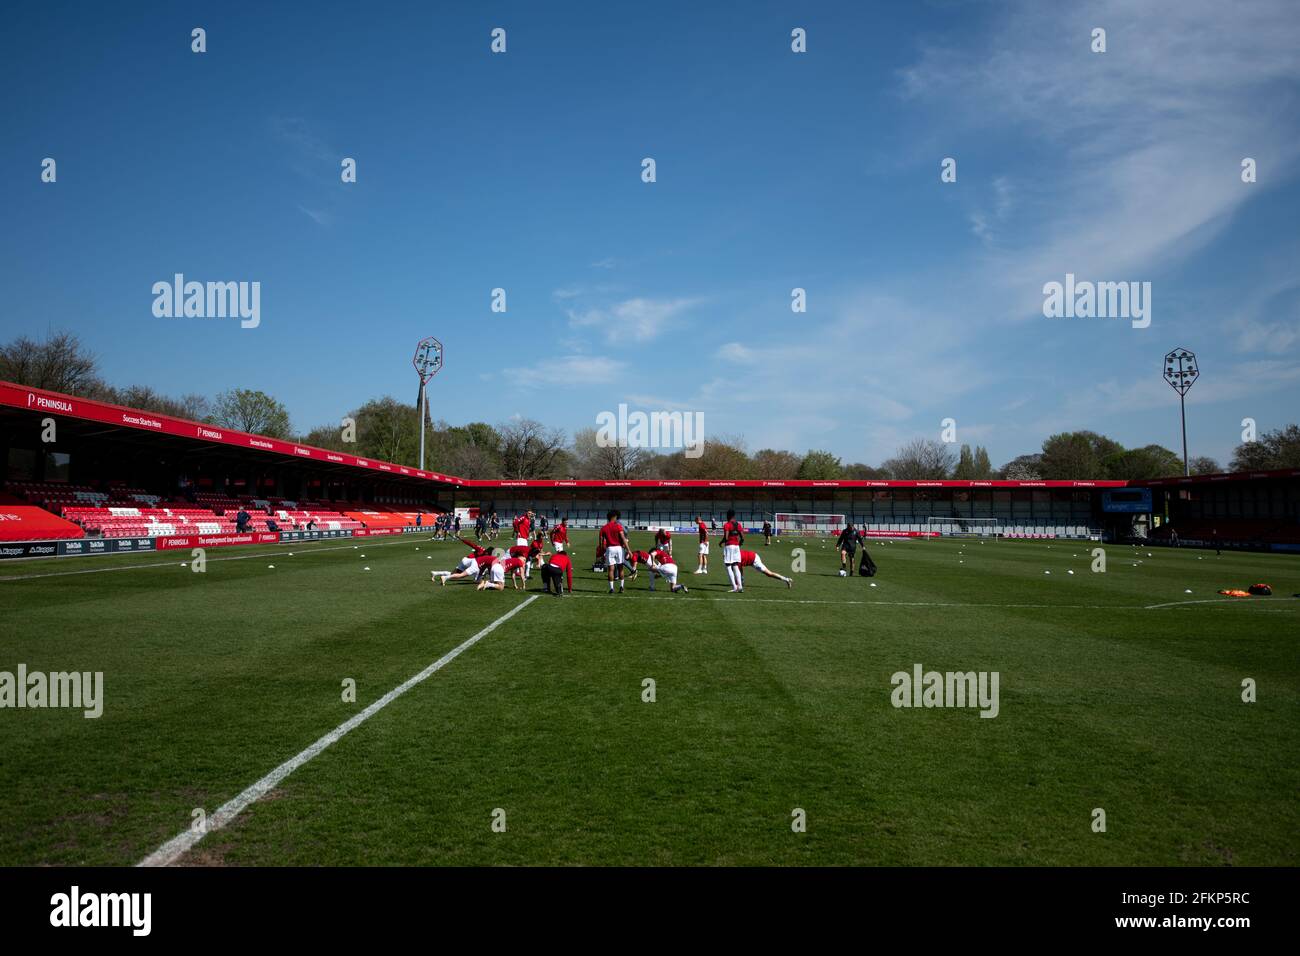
[[766, 702]]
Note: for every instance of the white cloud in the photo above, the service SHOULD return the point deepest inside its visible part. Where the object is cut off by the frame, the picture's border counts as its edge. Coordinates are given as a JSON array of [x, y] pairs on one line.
[[639, 319], [568, 371]]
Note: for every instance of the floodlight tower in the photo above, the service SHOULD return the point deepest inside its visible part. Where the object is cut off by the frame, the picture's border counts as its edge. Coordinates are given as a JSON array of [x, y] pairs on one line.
[[427, 362], [1181, 373]]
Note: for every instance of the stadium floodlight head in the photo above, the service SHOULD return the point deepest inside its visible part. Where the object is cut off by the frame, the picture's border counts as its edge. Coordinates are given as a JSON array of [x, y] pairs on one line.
[[427, 362], [1181, 372]]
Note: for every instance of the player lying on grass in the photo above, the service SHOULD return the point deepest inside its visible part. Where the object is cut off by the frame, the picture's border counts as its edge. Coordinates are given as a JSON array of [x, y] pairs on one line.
[[494, 579], [750, 559], [614, 540], [661, 565], [471, 566], [558, 570], [733, 536]]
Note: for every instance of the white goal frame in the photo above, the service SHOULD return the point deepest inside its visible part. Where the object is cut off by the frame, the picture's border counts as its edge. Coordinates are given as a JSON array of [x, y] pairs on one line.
[[805, 524]]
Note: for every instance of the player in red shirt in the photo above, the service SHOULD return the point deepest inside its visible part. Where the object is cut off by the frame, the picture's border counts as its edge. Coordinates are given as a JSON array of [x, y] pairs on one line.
[[703, 529], [495, 578], [557, 568], [750, 559], [522, 524], [664, 541], [733, 536], [471, 567], [613, 539], [662, 565], [560, 535], [635, 558]]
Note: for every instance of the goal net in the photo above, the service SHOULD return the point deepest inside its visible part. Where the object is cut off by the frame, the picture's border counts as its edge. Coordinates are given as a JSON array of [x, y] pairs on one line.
[[806, 524], [965, 527]]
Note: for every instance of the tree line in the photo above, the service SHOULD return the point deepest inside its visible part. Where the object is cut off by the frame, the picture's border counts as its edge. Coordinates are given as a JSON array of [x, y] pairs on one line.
[[388, 430]]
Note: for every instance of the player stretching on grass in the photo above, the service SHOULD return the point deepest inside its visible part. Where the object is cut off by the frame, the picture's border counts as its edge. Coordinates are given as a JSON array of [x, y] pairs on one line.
[[704, 546], [471, 566], [495, 579], [614, 540], [558, 569], [634, 559], [750, 559], [662, 565], [733, 536], [664, 541]]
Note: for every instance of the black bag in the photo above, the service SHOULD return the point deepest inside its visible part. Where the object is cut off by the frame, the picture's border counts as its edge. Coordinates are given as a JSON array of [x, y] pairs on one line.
[[866, 567]]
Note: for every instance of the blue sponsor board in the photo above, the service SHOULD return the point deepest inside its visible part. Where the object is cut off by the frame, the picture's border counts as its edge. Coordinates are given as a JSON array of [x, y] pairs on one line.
[[1126, 500]]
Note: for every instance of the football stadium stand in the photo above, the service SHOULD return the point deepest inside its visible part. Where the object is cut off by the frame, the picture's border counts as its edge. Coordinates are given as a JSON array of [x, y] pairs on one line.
[[138, 480]]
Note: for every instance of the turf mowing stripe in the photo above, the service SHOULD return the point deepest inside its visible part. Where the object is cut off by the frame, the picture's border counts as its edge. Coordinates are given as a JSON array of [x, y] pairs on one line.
[[172, 564], [1066, 607], [179, 845]]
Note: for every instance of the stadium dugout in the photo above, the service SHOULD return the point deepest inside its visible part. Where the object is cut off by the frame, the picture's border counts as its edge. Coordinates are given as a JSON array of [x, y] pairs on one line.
[[122, 479]]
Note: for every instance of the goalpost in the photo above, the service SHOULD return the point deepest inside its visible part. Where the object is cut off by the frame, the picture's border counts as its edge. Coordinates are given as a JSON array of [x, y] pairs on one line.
[[965, 527], [806, 525]]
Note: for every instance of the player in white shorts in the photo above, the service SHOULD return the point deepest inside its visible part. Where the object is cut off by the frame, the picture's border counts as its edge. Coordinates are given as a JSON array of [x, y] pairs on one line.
[[703, 566], [750, 559], [733, 536], [661, 565]]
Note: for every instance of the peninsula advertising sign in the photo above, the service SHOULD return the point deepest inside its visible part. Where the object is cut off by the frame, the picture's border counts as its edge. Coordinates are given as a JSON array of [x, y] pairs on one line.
[[53, 403]]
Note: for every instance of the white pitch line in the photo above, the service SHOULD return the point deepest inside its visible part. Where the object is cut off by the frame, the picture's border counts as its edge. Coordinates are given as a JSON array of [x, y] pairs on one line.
[[179, 845]]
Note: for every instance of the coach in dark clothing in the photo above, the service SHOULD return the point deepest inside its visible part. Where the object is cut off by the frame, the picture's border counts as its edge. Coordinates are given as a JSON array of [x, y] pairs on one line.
[[847, 546], [241, 520]]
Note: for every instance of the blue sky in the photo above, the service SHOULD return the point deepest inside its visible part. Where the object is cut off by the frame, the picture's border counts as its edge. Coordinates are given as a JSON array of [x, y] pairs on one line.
[[775, 170]]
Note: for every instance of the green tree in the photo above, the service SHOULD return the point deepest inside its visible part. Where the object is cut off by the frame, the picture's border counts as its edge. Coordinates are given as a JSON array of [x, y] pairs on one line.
[[1079, 454], [858, 471], [389, 430], [775, 465], [1205, 466], [820, 466], [248, 410], [1149, 461], [965, 464], [1271, 451]]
